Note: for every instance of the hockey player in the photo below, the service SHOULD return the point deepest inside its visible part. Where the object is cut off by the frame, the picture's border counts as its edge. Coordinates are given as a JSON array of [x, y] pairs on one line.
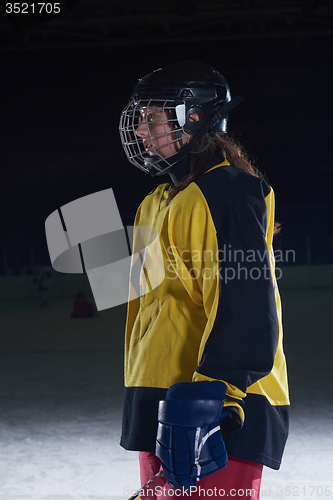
[[206, 394]]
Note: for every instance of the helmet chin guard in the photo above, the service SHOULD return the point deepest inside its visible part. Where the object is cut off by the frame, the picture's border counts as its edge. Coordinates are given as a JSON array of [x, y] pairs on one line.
[[176, 91]]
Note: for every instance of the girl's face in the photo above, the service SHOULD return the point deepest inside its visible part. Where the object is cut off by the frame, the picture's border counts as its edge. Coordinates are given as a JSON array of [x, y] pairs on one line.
[[157, 134]]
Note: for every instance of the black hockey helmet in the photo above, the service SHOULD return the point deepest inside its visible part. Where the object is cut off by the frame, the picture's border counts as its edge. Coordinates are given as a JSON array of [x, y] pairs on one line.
[[179, 90]]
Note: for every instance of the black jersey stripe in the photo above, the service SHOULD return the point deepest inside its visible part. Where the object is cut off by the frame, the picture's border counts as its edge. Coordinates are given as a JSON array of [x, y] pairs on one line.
[[241, 346]]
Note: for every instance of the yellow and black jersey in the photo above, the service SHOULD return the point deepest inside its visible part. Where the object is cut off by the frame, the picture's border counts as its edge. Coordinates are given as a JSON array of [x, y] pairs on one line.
[[216, 314]]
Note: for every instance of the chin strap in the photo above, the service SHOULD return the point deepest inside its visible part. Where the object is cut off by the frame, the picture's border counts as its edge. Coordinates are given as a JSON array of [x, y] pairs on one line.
[[216, 119], [210, 126], [179, 170]]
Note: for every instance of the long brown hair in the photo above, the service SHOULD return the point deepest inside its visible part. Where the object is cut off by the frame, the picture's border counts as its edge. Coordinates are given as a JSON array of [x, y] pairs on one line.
[[230, 150]]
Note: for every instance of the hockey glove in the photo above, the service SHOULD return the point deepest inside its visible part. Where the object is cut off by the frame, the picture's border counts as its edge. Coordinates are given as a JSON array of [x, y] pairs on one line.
[[189, 440]]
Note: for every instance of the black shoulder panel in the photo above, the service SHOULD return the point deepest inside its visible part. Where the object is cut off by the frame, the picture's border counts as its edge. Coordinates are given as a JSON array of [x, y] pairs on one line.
[[241, 346], [229, 186]]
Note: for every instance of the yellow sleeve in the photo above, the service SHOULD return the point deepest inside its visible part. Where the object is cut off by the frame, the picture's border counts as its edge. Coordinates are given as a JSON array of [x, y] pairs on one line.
[[193, 240]]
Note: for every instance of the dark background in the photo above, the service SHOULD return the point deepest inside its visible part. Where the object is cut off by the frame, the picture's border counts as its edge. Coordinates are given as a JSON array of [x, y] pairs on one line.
[[65, 82]]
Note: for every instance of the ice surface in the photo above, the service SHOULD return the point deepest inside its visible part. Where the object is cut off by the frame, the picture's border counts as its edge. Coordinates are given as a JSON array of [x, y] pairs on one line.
[[61, 396]]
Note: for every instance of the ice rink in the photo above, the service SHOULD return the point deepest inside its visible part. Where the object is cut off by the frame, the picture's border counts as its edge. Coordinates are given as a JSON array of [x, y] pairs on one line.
[[61, 397]]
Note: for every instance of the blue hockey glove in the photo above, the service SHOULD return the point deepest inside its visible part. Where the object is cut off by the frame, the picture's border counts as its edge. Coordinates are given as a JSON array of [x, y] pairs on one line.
[[189, 440]]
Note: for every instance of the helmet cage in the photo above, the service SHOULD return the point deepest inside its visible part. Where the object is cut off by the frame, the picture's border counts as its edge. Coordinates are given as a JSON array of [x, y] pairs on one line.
[[172, 112]]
